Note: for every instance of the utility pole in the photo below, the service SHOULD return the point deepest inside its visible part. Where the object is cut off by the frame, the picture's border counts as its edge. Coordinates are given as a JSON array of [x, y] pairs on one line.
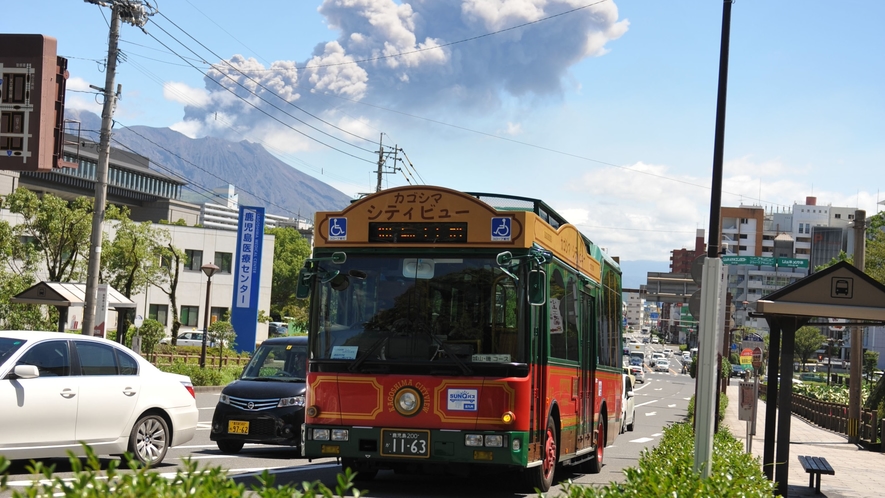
[[854, 379], [707, 399], [134, 13], [382, 158]]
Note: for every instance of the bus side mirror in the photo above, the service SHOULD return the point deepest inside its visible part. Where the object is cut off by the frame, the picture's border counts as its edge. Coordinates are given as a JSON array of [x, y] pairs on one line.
[[302, 289], [536, 287]]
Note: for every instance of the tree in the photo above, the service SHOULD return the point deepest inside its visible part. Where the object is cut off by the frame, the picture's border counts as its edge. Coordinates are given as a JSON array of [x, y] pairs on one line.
[[129, 262], [151, 331], [808, 340], [17, 273], [870, 364], [222, 333], [170, 259], [874, 264], [60, 230], [290, 251]]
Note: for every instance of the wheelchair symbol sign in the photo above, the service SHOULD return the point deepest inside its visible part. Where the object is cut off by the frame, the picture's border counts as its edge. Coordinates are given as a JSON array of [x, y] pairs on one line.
[[501, 229], [337, 228]]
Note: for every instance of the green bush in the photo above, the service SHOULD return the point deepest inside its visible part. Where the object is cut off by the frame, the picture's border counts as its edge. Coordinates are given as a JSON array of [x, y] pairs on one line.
[[668, 470], [89, 481], [209, 376]]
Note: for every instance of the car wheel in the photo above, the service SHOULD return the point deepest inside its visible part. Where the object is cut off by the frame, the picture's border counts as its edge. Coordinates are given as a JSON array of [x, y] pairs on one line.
[[149, 440], [541, 476], [229, 446]]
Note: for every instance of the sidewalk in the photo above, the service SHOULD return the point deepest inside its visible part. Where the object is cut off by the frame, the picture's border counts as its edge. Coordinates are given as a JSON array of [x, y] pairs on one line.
[[859, 472]]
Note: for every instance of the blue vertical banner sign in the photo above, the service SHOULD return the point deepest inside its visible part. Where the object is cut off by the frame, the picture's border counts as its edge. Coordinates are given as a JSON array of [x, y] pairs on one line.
[[247, 277]]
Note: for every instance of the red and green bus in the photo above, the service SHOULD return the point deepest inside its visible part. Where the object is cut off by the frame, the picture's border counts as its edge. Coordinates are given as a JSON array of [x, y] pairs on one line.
[[460, 332]]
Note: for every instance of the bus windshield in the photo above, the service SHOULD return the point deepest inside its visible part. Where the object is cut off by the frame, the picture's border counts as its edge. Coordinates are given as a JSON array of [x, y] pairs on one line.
[[412, 309]]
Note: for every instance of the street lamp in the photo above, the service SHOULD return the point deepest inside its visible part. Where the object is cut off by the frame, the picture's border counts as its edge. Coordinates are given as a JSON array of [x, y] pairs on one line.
[[209, 269]]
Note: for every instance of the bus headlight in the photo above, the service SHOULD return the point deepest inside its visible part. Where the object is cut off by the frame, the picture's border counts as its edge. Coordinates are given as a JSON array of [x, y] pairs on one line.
[[494, 441], [473, 440], [321, 434]]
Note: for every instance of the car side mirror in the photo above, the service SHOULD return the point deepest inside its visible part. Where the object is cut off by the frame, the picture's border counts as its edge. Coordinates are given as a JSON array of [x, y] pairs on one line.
[[629, 394], [25, 372]]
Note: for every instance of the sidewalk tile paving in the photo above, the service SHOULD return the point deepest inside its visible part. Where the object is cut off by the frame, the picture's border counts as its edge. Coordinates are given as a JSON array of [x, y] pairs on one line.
[[859, 472]]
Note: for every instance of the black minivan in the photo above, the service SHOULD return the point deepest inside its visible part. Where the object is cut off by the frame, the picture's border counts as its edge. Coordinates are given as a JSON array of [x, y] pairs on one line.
[[266, 404]]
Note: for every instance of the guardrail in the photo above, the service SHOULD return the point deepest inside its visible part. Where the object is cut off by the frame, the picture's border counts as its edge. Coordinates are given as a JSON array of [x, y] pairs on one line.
[[834, 417]]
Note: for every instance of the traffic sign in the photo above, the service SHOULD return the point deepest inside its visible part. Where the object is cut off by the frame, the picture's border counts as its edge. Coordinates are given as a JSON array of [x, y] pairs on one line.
[[747, 356]]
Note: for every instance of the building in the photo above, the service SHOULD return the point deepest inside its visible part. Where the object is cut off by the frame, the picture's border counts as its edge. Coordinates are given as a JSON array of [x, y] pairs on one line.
[[154, 196], [633, 308]]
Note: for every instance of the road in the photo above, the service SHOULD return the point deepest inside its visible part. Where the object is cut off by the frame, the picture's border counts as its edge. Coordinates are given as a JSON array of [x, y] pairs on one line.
[[660, 401]]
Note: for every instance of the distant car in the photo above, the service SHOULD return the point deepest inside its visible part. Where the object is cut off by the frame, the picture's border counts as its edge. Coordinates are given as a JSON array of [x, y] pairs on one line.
[[667, 352], [266, 404], [58, 390], [686, 357], [645, 340], [277, 329], [628, 404], [189, 339], [662, 365], [737, 370], [654, 340], [638, 373], [635, 361]]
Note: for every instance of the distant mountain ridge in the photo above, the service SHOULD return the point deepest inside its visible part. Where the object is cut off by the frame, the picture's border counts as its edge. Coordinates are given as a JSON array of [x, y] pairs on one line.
[[259, 178]]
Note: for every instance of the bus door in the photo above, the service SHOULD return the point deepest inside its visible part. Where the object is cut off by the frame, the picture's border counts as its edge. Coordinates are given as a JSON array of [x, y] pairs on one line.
[[588, 349], [538, 356]]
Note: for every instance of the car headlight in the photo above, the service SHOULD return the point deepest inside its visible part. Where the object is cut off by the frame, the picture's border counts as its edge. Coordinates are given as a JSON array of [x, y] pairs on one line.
[[224, 398], [293, 401]]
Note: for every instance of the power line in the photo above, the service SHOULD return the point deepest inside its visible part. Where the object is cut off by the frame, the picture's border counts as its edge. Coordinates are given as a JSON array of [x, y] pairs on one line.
[[262, 110]]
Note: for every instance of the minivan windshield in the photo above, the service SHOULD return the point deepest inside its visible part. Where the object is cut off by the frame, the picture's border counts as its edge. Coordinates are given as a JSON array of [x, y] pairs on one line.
[[279, 361], [382, 308]]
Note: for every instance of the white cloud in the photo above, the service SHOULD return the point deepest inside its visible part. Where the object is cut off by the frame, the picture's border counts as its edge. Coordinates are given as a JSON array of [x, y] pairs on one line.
[[185, 94]]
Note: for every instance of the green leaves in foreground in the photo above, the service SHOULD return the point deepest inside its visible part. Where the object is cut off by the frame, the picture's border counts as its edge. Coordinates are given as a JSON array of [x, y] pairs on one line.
[[668, 470], [89, 481]]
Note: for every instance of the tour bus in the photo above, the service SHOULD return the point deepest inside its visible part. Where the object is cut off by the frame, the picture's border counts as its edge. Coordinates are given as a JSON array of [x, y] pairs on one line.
[[460, 332]]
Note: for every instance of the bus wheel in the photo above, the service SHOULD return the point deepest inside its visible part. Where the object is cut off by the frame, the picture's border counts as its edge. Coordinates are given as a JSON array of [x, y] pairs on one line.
[[595, 465], [541, 477]]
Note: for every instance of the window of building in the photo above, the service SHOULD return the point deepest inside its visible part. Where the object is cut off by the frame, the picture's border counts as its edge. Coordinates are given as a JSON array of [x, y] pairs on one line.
[[744, 221], [159, 313], [743, 236], [189, 315], [742, 248], [193, 259], [224, 260], [216, 313], [838, 216]]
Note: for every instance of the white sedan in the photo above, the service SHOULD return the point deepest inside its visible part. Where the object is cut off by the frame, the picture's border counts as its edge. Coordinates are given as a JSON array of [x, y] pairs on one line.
[[189, 339], [662, 365], [57, 390]]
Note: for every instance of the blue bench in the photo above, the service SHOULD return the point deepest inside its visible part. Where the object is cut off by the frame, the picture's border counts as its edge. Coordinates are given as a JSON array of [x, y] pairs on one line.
[[815, 466]]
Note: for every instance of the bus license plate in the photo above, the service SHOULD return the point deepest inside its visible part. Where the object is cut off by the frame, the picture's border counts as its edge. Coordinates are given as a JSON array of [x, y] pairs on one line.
[[237, 427], [405, 443]]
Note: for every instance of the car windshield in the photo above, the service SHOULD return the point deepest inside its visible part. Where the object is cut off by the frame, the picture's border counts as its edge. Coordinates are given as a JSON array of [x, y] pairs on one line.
[[280, 361], [384, 309], [8, 346]]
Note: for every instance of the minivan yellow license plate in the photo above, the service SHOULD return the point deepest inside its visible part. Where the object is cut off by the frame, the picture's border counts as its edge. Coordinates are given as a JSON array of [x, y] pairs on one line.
[[237, 427]]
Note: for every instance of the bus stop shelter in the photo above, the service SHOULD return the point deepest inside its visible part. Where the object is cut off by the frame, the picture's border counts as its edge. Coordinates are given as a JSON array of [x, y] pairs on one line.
[[63, 295], [840, 291]]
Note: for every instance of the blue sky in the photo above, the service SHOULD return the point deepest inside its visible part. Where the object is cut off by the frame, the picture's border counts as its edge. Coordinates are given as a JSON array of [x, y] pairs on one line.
[[605, 112]]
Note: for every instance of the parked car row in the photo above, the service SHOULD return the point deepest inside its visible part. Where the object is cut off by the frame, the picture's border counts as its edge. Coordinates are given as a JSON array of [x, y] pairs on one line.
[[58, 390]]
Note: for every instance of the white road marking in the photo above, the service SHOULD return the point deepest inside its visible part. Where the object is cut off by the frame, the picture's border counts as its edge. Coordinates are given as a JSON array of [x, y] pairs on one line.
[[649, 414], [659, 389], [641, 440], [671, 406], [657, 434]]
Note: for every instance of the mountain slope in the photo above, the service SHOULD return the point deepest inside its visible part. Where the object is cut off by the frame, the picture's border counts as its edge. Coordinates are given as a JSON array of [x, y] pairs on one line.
[[212, 163]]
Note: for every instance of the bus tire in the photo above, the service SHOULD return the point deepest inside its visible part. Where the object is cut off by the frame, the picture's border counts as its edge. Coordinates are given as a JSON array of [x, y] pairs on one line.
[[595, 466], [541, 477]]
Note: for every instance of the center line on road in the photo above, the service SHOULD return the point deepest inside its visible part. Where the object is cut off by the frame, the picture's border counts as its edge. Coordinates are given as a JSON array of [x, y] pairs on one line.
[[649, 414]]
